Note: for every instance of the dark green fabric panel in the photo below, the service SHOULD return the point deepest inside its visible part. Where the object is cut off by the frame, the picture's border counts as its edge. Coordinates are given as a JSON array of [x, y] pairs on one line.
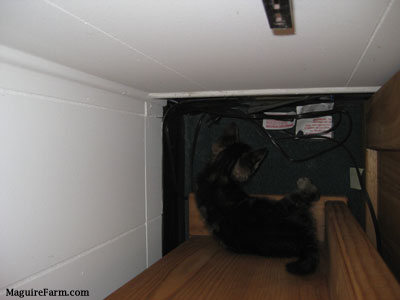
[[329, 172]]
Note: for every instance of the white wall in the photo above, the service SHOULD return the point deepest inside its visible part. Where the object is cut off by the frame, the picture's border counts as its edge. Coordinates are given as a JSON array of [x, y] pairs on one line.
[[80, 179]]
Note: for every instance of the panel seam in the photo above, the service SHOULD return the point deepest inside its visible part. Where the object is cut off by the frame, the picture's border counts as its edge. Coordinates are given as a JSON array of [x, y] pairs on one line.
[[371, 39], [125, 44], [67, 261]]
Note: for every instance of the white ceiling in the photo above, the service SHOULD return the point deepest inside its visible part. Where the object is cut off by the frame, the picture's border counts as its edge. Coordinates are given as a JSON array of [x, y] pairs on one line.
[[190, 45]]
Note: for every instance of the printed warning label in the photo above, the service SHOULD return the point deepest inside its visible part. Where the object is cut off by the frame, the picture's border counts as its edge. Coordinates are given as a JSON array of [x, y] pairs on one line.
[[314, 125], [274, 124]]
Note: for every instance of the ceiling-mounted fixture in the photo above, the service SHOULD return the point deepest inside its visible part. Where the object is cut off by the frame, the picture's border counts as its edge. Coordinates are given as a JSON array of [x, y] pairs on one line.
[[279, 13]]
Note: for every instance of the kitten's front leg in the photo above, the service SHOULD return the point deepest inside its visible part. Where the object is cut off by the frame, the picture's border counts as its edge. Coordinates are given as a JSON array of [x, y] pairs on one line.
[[302, 197], [307, 189]]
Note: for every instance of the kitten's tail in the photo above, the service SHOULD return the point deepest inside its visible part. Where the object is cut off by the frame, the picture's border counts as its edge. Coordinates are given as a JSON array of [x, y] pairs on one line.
[[304, 265]]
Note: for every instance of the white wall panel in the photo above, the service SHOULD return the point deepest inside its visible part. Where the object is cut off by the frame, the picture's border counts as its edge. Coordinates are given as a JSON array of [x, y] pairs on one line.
[[154, 108], [153, 163], [154, 228], [100, 271], [27, 73], [38, 28], [177, 46], [382, 58], [154, 198], [73, 177], [228, 45], [70, 173]]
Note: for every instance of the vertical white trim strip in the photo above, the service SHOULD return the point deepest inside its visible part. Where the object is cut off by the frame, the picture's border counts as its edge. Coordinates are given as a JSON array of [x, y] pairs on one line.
[[145, 183]]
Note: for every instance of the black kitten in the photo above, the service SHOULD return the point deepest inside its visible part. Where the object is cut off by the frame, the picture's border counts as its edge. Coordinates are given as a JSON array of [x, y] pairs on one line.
[[261, 226]]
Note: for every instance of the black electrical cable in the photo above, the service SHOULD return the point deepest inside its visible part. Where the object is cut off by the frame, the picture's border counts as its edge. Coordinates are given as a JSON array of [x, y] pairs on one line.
[[275, 143], [366, 197], [228, 109], [242, 115]]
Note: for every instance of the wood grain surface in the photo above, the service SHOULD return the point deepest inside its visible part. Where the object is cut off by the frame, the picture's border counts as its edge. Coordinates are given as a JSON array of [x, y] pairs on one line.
[[202, 269], [356, 271], [383, 134], [383, 117], [371, 184], [389, 207]]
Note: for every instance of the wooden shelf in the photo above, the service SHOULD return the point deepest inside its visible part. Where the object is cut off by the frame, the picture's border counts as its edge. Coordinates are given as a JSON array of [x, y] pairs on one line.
[[201, 269], [350, 268]]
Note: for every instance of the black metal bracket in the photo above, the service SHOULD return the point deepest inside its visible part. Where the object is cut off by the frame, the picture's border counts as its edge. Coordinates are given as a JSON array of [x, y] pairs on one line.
[[279, 13]]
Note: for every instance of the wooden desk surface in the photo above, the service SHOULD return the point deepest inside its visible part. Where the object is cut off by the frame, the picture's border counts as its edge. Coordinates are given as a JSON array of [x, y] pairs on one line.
[[201, 269]]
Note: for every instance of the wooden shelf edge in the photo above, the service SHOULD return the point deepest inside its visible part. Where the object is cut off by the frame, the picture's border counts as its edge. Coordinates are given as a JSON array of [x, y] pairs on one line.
[[356, 270]]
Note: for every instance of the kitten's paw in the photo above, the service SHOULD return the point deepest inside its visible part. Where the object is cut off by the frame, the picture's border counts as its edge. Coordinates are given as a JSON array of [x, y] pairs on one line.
[[302, 267], [305, 185]]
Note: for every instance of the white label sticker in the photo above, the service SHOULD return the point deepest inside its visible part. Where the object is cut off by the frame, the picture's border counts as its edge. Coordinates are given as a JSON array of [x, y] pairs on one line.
[[314, 125], [273, 124]]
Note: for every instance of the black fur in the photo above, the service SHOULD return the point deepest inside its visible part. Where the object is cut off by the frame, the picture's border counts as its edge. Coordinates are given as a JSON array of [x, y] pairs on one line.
[[261, 226]]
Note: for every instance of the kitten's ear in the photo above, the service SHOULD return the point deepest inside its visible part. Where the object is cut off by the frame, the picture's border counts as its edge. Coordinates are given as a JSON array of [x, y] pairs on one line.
[[232, 132], [247, 164], [229, 137]]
